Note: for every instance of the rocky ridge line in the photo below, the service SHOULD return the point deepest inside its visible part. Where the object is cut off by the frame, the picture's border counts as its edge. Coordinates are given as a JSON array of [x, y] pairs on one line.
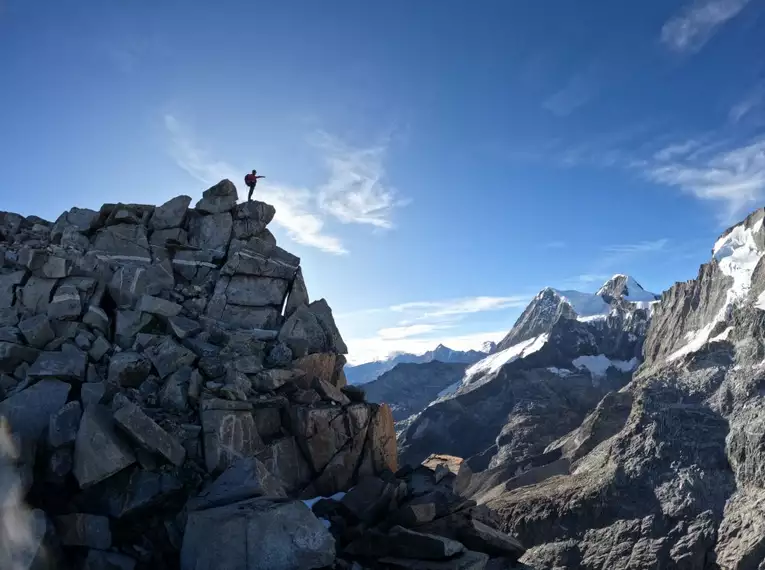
[[170, 394]]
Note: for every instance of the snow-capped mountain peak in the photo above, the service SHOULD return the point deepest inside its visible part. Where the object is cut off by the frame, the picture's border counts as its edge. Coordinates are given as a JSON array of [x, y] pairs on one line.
[[625, 287]]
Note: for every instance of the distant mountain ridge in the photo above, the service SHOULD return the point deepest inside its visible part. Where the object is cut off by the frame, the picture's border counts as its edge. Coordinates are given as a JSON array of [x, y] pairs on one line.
[[369, 371]]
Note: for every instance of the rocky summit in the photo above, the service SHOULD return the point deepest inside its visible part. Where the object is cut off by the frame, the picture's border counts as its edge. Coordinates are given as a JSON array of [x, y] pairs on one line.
[[173, 399]]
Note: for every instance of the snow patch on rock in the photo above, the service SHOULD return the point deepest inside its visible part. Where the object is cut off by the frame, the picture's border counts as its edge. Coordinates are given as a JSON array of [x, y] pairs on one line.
[[599, 364]]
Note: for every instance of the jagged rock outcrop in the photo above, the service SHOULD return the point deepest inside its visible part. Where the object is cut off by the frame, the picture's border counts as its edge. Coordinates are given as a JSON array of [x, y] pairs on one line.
[[145, 353], [667, 472], [409, 388], [565, 353]]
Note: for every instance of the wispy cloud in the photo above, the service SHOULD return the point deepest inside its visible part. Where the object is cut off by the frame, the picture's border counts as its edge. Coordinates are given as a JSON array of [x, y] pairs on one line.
[[587, 279], [690, 30], [356, 192], [292, 204], [421, 325], [639, 247], [677, 149], [753, 100], [555, 244], [394, 333], [353, 193], [465, 306], [578, 91], [735, 176]]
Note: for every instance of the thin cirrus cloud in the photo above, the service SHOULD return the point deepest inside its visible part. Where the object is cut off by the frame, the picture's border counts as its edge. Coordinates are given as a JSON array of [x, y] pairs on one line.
[[395, 333], [688, 31], [427, 324], [455, 307], [353, 193], [749, 104], [734, 176], [639, 247]]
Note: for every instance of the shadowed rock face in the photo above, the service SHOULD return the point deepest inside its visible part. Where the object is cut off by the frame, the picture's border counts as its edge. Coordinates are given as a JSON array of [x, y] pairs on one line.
[[668, 472]]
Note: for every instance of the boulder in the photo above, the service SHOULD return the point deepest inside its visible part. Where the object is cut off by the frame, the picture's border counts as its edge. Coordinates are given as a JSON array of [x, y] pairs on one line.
[[407, 543], [303, 333], [167, 356], [99, 452], [182, 327], [92, 393], [99, 348], [175, 391], [229, 433], [251, 218], [318, 366], [128, 369], [330, 393], [284, 459], [211, 234], [69, 365], [480, 537], [80, 529], [321, 432], [279, 355], [269, 380], [81, 220], [323, 314], [64, 423], [219, 198], [42, 264], [12, 355], [255, 534], [66, 304], [170, 214], [246, 478], [128, 325], [123, 243], [96, 318], [35, 295], [130, 493], [37, 331], [8, 284], [381, 440], [142, 429], [157, 306], [28, 412], [298, 294], [369, 499], [250, 291], [246, 262]]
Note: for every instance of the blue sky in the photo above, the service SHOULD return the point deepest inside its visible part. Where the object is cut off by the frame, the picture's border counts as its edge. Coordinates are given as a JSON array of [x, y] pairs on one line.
[[434, 163]]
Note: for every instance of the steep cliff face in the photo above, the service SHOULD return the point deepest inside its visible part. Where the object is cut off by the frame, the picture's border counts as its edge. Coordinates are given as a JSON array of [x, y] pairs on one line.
[[566, 351], [666, 473]]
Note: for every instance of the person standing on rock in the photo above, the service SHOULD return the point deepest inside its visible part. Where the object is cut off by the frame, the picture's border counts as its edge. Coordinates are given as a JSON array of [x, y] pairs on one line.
[[251, 180]]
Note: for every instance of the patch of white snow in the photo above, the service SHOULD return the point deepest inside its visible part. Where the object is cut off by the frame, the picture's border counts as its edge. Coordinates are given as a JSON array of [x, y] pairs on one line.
[[722, 336], [600, 363], [586, 304], [559, 371], [494, 362]]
